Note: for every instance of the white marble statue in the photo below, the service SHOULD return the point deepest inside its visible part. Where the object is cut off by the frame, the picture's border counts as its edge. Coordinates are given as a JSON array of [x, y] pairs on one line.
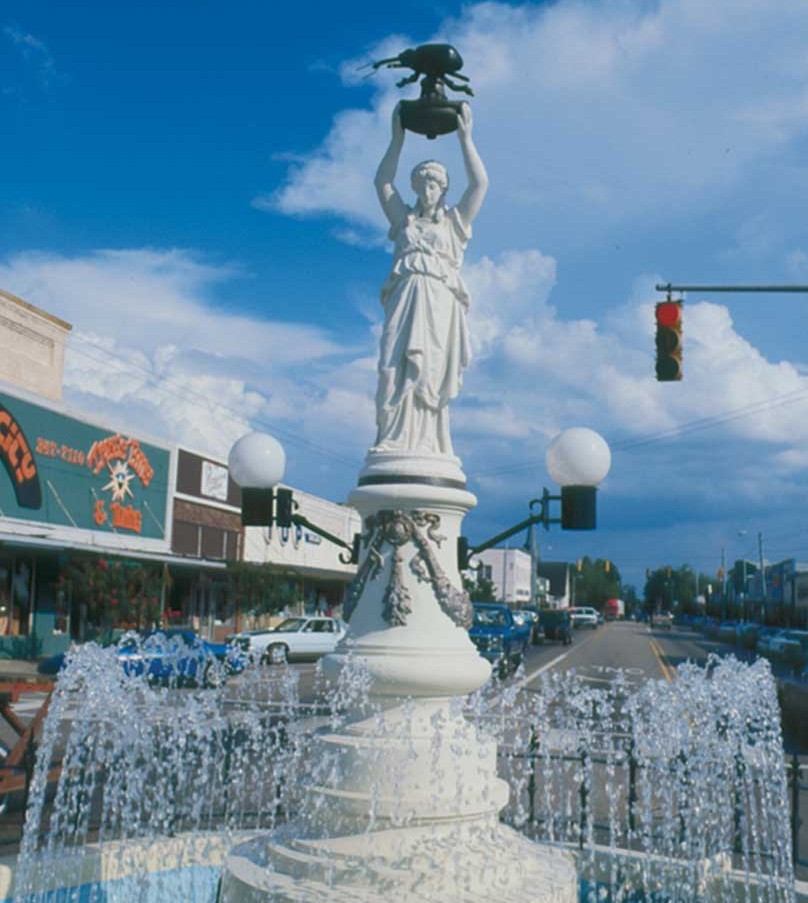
[[425, 343]]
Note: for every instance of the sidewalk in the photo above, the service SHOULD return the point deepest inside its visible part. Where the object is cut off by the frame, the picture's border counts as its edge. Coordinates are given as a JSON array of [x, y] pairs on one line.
[[17, 670]]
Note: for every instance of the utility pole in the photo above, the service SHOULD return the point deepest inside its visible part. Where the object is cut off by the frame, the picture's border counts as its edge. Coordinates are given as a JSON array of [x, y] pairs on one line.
[[533, 546], [505, 559], [762, 571]]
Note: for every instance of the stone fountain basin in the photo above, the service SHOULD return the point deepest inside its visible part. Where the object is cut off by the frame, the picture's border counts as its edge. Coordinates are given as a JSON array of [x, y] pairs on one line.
[[166, 869]]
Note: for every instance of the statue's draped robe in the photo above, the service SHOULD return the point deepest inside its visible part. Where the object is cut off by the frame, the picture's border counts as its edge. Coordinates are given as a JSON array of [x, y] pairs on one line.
[[425, 344]]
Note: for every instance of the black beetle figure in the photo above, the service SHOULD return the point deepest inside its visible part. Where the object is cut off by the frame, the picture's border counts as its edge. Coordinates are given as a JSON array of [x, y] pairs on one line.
[[433, 113], [435, 61]]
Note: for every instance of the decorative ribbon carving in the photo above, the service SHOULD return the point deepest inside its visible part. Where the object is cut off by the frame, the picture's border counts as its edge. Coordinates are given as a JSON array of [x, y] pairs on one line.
[[396, 529]]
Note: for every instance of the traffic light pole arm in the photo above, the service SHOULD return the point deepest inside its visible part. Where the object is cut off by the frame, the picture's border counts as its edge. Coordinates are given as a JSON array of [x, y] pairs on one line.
[[465, 553], [668, 287]]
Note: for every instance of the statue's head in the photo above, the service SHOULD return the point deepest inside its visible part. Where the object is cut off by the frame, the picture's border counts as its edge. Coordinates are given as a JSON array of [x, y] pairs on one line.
[[429, 171]]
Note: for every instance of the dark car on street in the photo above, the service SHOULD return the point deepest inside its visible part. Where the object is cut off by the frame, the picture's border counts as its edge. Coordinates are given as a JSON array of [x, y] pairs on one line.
[[557, 625]]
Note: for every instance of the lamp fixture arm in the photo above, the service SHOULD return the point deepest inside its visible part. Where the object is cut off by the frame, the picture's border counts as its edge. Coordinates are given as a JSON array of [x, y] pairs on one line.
[[465, 553], [300, 521]]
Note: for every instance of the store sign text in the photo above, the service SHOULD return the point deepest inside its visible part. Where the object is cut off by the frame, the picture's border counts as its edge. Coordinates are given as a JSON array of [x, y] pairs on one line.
[[64, 452], [124, 460], [124, 517], [19, 461], [116, 448]]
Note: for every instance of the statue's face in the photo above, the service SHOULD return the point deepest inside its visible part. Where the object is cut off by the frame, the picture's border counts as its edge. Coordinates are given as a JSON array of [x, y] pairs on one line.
[[429, 192]]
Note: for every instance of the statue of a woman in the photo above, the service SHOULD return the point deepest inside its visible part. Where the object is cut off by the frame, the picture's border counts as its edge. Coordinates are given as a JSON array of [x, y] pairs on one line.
[[425, 343]]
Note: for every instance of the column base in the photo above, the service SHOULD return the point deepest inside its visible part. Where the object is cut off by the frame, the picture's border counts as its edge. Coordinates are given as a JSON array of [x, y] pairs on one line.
[[434, 864]]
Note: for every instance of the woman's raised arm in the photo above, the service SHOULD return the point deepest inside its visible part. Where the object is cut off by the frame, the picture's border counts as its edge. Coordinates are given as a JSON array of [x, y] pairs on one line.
[[469, 205], [392, 204]]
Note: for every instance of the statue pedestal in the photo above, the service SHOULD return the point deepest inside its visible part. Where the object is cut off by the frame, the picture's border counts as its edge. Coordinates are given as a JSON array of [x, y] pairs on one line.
[[407, 606], [406, 802]]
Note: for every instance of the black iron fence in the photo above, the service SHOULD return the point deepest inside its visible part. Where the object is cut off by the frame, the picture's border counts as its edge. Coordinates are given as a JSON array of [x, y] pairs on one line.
[[584, 823]]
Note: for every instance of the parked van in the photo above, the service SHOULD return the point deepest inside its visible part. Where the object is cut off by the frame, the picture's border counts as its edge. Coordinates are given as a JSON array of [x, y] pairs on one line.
[[584, 616]]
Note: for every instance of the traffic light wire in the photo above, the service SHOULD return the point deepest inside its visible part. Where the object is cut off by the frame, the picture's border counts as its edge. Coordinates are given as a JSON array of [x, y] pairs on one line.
[[191, 396], [183, 393], [692, 426]]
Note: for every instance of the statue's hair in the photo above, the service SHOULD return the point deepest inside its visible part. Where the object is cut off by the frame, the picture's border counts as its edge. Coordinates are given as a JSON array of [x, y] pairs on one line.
[[430, 169]]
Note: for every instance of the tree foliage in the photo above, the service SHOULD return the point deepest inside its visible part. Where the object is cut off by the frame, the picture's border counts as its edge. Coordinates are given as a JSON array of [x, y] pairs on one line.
[[115, 593], [595, 582], [480, 588], [668, 587], [256, 588]]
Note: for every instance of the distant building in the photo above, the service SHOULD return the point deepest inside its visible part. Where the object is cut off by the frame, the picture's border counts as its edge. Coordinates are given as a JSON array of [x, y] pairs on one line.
[[559, 575], [509, 571], [784, 592], [311, 565], [33, 347], [79, 492]]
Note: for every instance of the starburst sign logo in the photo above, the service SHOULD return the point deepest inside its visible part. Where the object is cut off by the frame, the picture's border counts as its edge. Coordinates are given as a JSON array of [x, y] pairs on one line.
[[124, 460], [119, 484]]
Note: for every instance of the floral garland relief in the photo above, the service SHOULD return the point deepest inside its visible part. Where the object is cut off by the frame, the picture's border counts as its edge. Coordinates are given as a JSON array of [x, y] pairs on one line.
[[397, 529]]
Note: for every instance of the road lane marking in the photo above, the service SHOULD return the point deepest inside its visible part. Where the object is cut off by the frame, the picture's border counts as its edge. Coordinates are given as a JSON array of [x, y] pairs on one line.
[[609, 669], [660, 657], [554, 661]]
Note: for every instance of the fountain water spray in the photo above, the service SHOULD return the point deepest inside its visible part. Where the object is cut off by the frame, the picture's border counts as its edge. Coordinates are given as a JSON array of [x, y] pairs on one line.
[[670, 791]]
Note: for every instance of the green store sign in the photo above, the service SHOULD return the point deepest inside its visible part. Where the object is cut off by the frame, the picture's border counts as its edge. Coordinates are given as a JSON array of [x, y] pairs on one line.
[[62, 471]]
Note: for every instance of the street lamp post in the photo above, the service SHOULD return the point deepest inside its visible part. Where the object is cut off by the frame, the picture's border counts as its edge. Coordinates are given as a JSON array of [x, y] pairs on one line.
[[257, 463], [578, 459]]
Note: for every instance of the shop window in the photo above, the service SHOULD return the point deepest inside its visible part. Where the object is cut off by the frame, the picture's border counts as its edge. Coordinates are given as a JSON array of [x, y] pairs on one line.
[[185, 538], [212, 542], [61, 610], [16, 573], [231, 545], [5, 597]]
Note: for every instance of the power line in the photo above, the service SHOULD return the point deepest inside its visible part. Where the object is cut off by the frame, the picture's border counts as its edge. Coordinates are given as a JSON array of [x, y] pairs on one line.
[[196, 398], [716, 420], [702, 423], [627, 444]]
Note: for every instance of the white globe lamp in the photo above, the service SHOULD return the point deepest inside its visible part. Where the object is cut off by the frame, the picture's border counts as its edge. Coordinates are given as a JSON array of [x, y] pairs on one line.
[[257, 463], [578, 460]]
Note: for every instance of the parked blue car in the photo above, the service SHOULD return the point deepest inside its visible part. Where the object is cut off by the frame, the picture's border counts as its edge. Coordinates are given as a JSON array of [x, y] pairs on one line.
[[177, 657], [497, 635]]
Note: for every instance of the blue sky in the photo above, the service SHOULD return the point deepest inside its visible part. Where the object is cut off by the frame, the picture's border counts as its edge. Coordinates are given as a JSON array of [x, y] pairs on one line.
[[191, 186]]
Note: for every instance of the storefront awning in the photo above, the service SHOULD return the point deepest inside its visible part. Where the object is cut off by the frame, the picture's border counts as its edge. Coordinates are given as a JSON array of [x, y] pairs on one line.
[[310, 573], [33, 541]]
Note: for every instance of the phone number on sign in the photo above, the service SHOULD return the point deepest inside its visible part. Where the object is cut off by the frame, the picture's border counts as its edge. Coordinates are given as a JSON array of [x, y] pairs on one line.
[[65, 452]]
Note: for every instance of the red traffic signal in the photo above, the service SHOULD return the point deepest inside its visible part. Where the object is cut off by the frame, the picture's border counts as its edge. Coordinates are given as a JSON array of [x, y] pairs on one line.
[[669, 341]]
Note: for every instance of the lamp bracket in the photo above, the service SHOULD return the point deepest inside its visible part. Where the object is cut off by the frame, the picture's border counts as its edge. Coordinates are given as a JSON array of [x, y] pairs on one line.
[[465, 553], [300, 520]]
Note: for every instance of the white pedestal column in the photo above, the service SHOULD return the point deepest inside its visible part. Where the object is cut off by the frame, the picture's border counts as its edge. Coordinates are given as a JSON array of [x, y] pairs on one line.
[[409, 809]]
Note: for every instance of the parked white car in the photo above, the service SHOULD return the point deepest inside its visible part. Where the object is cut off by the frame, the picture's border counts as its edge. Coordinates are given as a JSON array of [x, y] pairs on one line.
[[663, 620], [769, 638], [791, 647], [294, 639], [584, 616]]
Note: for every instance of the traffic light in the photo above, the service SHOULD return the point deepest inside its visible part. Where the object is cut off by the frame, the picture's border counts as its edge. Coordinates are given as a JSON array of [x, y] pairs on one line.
[[284, 508], [257, 506], [742, 572], [669, 341]]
